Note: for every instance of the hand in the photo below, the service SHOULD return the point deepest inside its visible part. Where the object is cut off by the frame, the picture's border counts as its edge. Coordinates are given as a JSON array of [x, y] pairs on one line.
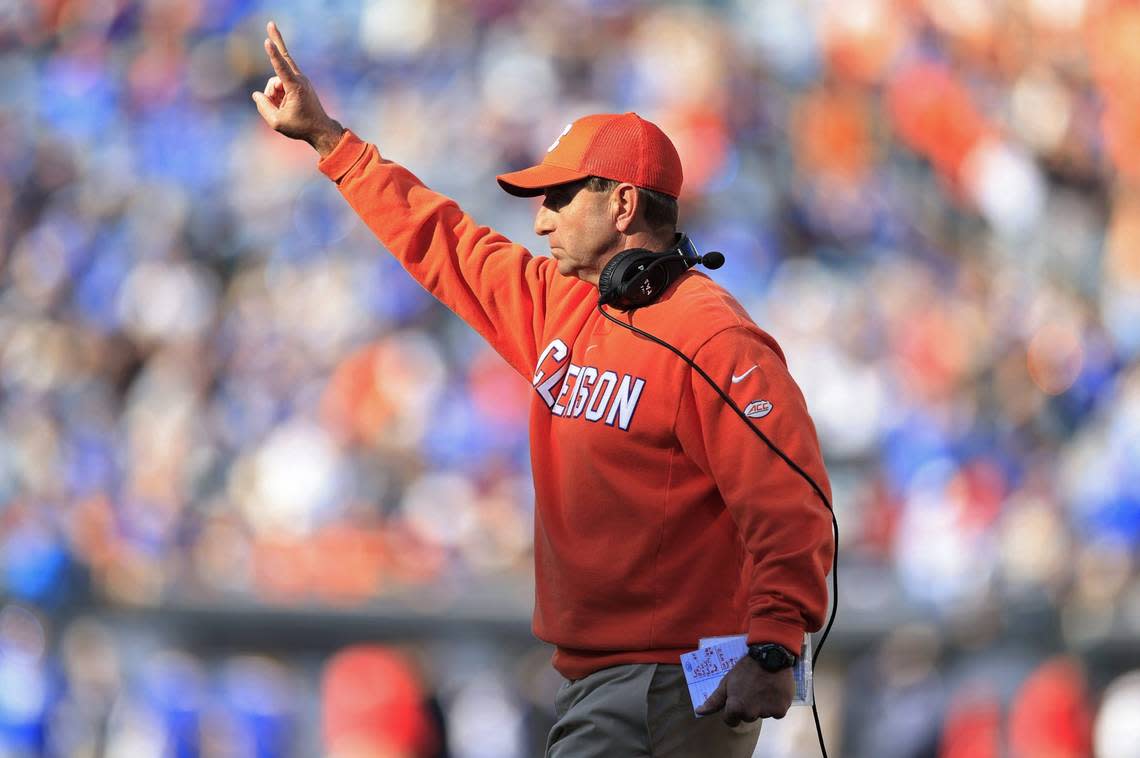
[[748, 692], [290, 105]]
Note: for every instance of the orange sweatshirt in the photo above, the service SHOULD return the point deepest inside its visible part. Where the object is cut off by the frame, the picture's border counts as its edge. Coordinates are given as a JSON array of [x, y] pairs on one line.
[[660, 517]]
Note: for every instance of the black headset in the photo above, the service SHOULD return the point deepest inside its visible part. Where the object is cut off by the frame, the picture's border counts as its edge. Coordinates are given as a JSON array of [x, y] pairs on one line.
[[636, 277]]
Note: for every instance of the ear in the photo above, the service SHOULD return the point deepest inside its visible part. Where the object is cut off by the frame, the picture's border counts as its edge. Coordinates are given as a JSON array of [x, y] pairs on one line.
[[624, 202]]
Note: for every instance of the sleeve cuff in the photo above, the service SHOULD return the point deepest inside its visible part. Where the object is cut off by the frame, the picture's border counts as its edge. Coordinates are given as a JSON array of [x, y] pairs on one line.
[[343, 157], [767, 630]]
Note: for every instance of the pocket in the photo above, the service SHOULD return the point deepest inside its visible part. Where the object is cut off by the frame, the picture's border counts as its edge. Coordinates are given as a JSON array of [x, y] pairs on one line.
[[668, 688], [562, 699]]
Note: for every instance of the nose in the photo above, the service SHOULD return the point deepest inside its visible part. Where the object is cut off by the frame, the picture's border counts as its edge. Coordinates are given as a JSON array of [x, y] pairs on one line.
[[544, 221]]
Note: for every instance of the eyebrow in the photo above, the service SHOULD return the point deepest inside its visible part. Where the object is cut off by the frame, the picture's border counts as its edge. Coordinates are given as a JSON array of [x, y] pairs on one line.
[[562, 193]]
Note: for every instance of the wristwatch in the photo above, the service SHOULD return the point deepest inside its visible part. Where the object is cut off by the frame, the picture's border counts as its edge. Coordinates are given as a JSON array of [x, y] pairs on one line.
[[771, 657]]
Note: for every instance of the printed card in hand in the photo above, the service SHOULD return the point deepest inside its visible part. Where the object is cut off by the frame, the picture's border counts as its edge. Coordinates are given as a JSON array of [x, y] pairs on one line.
[[715, 657]]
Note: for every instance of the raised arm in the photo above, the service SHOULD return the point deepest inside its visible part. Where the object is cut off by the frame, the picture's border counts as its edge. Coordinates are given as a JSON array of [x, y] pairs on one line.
[[493, 284]]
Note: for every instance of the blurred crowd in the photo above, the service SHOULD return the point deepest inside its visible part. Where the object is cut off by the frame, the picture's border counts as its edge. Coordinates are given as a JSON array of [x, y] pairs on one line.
[[216, 388], [92, 688]]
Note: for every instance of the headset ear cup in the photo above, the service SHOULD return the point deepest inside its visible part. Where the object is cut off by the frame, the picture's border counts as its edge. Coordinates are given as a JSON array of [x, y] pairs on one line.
[[612, 280], [649, 284], [605, 279], [636, 277]]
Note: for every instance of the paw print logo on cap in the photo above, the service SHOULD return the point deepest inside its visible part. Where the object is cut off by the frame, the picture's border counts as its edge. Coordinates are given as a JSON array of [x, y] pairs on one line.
[[558, 139]]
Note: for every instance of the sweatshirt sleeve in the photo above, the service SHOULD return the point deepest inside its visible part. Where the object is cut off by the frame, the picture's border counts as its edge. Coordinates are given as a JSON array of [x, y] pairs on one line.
[[493, 284], [785, 526]]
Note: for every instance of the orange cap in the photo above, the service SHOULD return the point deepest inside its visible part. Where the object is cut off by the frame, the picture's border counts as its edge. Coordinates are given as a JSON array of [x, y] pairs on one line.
[[620, 146]]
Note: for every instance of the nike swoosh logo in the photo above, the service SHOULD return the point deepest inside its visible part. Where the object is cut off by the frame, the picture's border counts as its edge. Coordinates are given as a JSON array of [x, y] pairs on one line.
[[591, 347], [737, 379]]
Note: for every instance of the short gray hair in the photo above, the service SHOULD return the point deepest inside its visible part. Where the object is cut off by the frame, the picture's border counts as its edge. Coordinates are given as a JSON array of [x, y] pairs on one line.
[[658, 208]]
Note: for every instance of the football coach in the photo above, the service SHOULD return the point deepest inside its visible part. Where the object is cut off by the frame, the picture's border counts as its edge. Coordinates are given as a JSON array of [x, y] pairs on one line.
[[661, 515]]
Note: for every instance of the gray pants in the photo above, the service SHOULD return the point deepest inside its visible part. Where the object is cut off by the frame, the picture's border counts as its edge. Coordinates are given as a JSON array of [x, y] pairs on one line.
[[640, 711]]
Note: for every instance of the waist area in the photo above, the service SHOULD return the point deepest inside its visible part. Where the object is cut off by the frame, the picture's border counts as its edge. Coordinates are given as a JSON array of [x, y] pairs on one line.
[[577, 664]]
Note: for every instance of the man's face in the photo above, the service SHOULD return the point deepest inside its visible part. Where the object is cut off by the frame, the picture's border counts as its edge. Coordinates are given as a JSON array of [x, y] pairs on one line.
[[580, 228]]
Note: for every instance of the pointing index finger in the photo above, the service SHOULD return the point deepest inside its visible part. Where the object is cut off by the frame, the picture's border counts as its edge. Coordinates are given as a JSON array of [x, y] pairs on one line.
[[280, 67], [279, 43]]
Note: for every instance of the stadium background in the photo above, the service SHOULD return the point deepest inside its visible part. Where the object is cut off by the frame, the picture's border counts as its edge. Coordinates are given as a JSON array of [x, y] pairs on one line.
[[235, 438]]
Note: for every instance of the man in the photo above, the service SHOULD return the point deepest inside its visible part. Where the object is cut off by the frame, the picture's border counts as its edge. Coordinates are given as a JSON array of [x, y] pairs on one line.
[[660, 516]]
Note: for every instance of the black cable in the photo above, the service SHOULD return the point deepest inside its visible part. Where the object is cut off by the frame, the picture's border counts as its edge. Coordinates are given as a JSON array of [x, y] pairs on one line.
[[807, 477]]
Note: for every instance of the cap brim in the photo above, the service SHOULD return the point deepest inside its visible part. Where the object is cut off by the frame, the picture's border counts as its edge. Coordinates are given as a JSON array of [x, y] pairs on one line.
[[533, 181]]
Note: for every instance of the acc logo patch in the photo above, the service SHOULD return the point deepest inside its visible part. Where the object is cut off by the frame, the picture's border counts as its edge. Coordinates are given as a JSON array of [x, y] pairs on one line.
[[758, 409]]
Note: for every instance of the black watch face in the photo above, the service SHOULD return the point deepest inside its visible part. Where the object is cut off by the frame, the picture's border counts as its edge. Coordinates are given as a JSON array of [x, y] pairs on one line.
[[774, 659]]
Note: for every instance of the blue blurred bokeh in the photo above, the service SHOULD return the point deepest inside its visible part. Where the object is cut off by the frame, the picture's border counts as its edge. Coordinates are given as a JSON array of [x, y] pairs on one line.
[[217, 391]]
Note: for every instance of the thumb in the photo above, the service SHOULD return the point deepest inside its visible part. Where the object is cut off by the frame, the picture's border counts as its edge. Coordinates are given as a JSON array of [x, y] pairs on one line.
[[265, 108], [716, 700]]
